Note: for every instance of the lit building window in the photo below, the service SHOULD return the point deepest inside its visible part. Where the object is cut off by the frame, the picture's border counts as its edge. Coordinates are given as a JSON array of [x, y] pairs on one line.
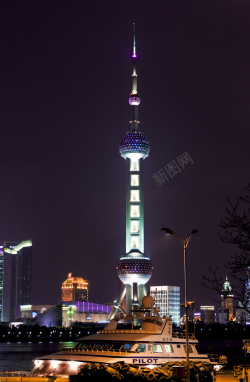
[[134, 226], [134, 196], [134, 180], [134, 242], [134, 165], [134, 212]]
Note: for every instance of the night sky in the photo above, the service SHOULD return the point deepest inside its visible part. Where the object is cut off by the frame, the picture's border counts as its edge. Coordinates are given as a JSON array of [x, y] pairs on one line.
[[65, 78]]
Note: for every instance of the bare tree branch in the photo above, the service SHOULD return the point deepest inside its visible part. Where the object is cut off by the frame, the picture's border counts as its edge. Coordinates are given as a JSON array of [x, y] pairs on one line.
[[236, 231]]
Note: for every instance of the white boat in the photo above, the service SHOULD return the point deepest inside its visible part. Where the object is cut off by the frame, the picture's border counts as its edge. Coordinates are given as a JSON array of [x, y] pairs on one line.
[[151, 345]]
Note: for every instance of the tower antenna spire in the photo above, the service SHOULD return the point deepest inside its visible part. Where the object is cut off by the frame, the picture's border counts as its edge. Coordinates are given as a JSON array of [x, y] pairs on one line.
[[134, 43], [134, 99]]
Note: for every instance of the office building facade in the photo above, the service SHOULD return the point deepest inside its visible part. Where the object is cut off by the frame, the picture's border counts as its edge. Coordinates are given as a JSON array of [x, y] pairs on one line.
[[247, 297], [207, 314], [15, 277], [227, 299], [75, 289], [167, 301]]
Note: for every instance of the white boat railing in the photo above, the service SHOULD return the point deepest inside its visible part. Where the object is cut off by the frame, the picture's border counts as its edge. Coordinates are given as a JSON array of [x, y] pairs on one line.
[[215, 358], [100, 350], [129, 331], [4, 374], [183, 336]]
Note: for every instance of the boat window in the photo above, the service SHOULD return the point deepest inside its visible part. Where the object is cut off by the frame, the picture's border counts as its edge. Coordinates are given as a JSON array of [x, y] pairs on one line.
[[106, 346], [149, 348], [178, 346], [97, 346], [81, 345], [141, 348], [127, 347], [168, 348], [89, 346], [190, 350], [117, 346], [157, 348]]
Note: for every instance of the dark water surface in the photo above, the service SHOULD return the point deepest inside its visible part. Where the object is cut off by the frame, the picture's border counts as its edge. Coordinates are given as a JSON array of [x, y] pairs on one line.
[[230, 348], [20, 356]]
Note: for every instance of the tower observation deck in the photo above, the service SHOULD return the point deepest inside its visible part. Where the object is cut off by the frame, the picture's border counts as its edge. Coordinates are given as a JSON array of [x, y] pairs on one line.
[[134, 269]]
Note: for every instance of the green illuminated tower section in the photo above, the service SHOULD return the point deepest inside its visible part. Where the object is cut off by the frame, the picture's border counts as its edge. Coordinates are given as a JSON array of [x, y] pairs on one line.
[[134, 269], [134, 148]]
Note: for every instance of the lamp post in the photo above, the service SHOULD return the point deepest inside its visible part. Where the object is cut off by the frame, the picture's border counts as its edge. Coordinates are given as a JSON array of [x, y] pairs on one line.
[[184, 243]]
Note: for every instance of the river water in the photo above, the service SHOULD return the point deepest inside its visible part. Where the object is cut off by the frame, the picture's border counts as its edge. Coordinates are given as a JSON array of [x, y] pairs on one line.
[[20, 356]]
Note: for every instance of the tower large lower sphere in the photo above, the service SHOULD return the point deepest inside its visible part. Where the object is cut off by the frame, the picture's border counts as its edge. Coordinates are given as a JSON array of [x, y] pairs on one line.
[[134, 269], [134, 272]]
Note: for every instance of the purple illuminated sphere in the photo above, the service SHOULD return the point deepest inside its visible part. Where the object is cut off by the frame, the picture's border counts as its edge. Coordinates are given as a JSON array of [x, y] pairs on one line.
[[132, 269]]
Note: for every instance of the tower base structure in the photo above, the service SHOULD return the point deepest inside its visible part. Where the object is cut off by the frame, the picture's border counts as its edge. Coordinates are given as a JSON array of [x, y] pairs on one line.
[[134, 271], [133, 294]]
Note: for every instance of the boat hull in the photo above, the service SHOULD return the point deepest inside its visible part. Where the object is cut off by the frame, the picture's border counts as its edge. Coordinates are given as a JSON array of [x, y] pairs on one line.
[[65, 364]]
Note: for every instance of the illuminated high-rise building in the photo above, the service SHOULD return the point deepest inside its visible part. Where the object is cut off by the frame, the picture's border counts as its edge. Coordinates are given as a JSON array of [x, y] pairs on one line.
[[75, 289], [167, 301], [15, 277], [207, 314], [134, 268], [247, 297], [227, 299]]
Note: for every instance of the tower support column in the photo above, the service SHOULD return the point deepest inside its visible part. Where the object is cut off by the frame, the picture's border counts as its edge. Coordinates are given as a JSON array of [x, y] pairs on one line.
[[128, 298], [135, 295], [142, 292]]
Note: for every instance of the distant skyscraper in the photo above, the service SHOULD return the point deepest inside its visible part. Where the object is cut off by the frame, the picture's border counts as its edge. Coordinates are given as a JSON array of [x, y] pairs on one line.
[[134, 269], [207, 314], [15, 277], [75, 289], [167, 300], [247, 296], [227, 299]]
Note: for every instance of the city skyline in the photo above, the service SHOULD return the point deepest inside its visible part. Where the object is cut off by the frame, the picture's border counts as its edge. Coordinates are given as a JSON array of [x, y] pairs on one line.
[[65, 78]]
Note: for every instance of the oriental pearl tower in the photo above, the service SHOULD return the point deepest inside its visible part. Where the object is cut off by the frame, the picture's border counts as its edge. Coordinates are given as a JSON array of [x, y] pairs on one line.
[[134, 269]]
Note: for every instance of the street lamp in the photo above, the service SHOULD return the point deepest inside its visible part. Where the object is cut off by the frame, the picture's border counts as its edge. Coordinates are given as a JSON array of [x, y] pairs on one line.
[[184, 243]]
